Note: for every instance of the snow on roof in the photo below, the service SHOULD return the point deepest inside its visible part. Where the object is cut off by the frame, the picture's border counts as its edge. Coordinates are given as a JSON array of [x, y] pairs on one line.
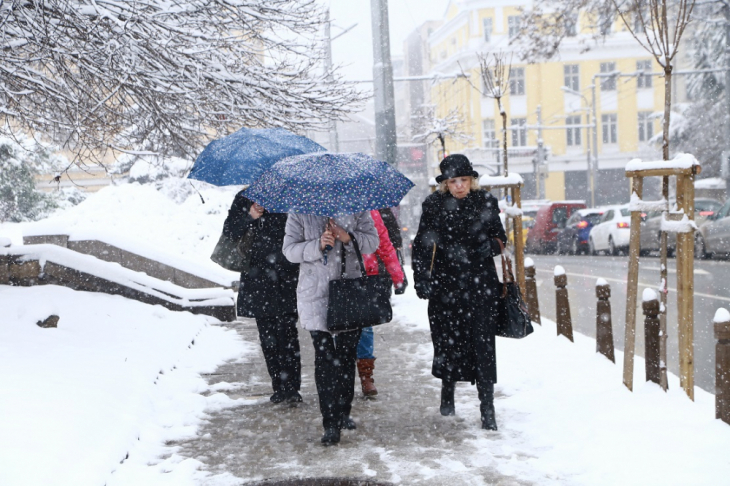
[[680, 161], [649, 295], [711, 183], [587, 211], [511, 179], [114, 272], [721, 315]]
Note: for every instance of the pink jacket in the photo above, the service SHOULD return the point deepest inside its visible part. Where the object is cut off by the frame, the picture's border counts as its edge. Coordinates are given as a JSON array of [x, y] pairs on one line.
[[385, 252]]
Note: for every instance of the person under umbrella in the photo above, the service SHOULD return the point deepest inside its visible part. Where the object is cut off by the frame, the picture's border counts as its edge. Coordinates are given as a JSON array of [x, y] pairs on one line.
[[453, 267], [386, 257], [305, 242], [267, 292]]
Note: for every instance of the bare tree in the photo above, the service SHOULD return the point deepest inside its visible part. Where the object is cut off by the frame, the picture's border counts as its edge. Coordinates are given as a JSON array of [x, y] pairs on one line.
[[438, 129], [495, 85], [162, 76]]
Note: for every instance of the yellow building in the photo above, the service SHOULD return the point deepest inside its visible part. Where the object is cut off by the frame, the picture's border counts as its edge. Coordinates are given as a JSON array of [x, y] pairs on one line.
[[546, 99]]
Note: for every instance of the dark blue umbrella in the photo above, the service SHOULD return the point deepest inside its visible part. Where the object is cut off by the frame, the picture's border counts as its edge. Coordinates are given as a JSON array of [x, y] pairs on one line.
[[241, 157], [328, 184]]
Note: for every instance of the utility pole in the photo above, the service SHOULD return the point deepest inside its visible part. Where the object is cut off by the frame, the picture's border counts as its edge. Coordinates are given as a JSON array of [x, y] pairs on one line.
[[539, 170], [334, 139], [594, 162], [385, 135]]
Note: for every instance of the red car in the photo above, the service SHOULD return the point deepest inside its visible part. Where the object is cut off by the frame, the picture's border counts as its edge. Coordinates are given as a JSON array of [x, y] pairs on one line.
[[550, 219]]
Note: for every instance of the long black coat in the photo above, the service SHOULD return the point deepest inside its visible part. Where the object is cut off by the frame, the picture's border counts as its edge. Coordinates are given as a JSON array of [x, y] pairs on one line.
[[465, 297], [270, 286]]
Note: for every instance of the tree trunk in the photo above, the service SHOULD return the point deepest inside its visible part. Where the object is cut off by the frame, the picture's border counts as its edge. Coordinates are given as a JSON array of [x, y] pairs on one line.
[[504, 134]]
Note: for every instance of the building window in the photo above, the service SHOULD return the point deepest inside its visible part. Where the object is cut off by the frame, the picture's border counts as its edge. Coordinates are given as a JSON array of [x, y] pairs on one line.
[[488, 134], [517, 81], [513, 26], [573, 134], [646, 126], [519, 132], [571, 77], [443, 54], [610, 130], [487, 27], [605, 21], [571, 25], [638, 24], [608, 84], [643, 81]]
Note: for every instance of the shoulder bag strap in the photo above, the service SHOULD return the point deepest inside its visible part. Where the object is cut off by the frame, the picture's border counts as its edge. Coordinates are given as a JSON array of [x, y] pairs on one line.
[[507, 275], [359, 255]]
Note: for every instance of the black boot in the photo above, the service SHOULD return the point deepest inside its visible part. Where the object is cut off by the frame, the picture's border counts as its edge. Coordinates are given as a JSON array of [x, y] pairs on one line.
[[447, 398], [331, 436], [486, 406], [348, 423]]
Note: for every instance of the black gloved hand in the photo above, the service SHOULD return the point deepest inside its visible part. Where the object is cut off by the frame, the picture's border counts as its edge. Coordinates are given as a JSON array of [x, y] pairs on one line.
[[400, 289], [485, 249], [423, 289]]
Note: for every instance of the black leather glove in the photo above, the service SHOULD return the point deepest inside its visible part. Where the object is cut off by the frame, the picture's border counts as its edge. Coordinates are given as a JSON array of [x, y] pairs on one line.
[[485, 249], [423, 289], [400, 289]]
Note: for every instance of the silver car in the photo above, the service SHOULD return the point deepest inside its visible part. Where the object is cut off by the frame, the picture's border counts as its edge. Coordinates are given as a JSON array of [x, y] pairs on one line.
[[651, 225], [713, 238]]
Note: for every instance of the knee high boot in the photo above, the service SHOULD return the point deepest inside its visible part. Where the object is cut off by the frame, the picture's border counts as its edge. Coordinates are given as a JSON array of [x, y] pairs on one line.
[[486, 406], [447, 398], [365, 369]]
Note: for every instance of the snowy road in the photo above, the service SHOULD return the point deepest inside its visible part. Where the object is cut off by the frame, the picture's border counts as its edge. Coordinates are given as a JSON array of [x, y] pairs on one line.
[[712, 290]]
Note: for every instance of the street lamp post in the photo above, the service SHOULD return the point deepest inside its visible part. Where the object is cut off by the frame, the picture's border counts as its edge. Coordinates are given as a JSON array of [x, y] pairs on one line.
[[591, 165]]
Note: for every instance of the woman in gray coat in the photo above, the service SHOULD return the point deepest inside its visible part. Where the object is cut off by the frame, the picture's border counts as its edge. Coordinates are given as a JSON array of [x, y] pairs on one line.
[[306, 237]]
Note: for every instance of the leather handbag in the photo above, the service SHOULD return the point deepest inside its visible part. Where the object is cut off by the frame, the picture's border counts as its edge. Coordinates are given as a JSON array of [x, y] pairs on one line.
[[234, 255], [515, 322], [356, 303]]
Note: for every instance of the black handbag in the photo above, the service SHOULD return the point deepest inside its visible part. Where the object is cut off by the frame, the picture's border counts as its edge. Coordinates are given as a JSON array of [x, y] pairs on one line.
[[234, 255], [356, 303], [515, 321]]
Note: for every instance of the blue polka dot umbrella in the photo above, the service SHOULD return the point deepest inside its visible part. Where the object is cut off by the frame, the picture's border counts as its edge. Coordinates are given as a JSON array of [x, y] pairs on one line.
[[329, 184]]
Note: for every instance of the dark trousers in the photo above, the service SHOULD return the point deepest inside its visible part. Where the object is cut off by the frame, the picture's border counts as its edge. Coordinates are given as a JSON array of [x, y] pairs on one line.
[[280, 344], [334, 373]]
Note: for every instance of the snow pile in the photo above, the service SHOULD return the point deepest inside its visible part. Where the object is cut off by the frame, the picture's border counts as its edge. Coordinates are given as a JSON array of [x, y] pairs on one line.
[[511, 179], [529, 262], [637, 204], [116, 375], [648, 295], [684, 225], [721, 315], [711, 183], [680, 161], [559, 270], [601, 282]]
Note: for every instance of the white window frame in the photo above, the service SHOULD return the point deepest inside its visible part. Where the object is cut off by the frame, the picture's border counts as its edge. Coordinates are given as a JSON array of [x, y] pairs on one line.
[[513, 26], [609, 128], [573, 135], [517, 81], [646, 125], [644, 82], [487, 29], [571, 76], [608, 84], [489, 134], [519, 132]]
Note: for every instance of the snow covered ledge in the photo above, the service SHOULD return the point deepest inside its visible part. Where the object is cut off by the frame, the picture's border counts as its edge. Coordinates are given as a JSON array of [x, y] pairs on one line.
[[681, 164]]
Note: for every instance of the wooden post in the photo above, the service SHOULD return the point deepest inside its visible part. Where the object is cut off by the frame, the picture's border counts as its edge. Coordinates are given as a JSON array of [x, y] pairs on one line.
[[531, 291], [650, 305], [632, 287], [685, 286], [604, 326], [722, 365], [519, 242], [565, 324]]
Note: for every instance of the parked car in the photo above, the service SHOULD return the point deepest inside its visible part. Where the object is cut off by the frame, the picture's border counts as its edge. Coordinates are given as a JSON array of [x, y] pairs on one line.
[[612, 232], [652, 222], [713, 237], [573, 238], [549, 220]]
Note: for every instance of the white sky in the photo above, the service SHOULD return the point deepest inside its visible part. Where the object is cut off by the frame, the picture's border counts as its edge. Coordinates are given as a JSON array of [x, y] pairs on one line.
[[354, 50]]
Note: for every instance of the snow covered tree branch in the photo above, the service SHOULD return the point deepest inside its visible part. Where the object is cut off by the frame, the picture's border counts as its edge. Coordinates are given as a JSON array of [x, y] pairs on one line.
[[163, 75], [495, 75], [436, 128]]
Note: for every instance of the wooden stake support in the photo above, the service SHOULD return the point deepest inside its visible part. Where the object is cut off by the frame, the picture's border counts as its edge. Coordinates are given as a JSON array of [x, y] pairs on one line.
[[685, 278], [531, 295]]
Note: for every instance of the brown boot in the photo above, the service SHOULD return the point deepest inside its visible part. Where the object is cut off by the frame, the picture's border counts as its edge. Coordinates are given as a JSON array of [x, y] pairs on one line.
[[365, 370]]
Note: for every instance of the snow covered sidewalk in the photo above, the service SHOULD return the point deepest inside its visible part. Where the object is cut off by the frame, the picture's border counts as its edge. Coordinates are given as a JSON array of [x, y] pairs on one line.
[[564, 418]]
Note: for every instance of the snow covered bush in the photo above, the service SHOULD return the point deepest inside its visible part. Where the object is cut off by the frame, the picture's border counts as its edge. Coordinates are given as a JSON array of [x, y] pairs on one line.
[[19, 162]]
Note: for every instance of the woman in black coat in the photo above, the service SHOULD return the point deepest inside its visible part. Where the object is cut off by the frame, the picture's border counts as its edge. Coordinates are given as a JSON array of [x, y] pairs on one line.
[[453, 267], [268, 293]]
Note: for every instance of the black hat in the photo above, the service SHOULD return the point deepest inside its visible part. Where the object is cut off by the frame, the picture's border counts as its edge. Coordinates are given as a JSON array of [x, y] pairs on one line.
[[456, 165]]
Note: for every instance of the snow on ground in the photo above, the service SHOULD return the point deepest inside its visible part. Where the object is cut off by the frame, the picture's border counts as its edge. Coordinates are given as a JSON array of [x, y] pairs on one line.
[[119, 377]]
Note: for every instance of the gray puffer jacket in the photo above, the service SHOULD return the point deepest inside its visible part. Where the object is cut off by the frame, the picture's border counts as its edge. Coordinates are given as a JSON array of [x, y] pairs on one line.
[[301, 245]]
